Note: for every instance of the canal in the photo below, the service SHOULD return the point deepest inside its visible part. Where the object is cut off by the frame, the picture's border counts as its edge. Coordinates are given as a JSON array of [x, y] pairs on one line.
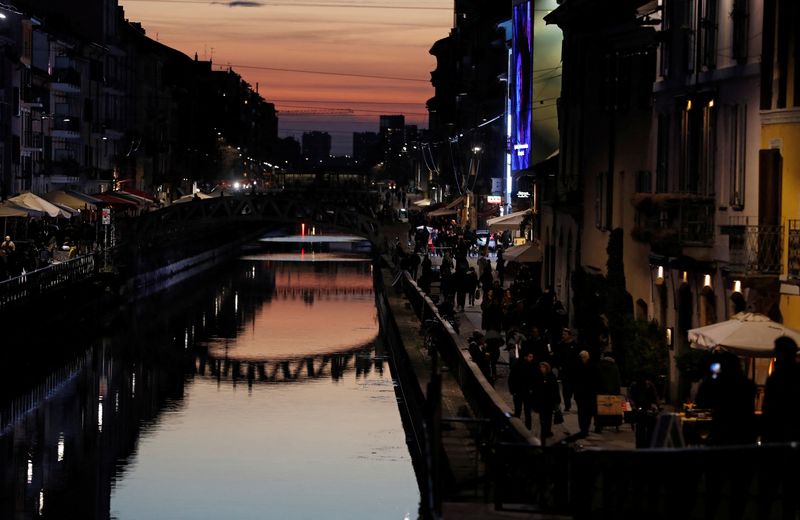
[[261, 390]]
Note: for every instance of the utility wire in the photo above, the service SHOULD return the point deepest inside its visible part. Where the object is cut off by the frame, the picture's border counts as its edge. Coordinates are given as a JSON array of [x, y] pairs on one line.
[[325, 73]]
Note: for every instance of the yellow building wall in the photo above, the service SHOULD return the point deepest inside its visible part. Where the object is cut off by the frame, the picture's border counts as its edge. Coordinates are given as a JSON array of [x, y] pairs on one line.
[[790, 308], [789, 134]]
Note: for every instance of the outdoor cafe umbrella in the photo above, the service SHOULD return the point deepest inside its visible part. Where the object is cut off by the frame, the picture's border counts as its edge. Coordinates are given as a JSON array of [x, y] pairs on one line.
[[745, 334], [30, 201]]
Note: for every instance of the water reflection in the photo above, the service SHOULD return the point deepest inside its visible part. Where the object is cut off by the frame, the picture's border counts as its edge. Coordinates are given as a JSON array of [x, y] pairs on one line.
[[151, 423]]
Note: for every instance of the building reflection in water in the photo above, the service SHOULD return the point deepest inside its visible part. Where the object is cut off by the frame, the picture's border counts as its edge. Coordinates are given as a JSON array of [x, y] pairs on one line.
[[65, 455]]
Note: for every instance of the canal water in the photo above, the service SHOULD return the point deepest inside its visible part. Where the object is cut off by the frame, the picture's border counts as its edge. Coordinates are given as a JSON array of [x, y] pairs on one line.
[[260, 391]]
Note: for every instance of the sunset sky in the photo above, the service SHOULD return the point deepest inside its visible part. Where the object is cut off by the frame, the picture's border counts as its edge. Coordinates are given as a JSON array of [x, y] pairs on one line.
[[347, 40]]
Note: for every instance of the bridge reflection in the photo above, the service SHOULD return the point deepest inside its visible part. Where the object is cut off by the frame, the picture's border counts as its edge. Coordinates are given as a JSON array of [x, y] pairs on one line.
[[64, 451], [362, 360]]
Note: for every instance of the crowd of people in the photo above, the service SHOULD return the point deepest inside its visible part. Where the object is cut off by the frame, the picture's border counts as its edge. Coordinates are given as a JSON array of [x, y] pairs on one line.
[[44, 245], [551, 372], [548, 367]]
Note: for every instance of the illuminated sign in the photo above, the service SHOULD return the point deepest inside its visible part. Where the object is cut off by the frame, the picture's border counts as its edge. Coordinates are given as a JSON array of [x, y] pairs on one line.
[[523, 194], [494, 199], [522, 84]]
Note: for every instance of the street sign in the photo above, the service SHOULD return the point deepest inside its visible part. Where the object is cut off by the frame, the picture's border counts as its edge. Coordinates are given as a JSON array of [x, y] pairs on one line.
[[106, 216]]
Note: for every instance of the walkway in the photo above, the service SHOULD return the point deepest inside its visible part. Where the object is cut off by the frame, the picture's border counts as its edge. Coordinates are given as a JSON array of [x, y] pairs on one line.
[[470, 319]]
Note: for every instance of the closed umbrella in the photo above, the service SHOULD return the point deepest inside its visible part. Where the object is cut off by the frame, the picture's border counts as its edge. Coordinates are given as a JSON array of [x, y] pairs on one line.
[[746, 334]]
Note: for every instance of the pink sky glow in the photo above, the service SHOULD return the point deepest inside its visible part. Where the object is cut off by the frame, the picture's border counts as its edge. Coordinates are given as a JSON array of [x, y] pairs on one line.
[[358, 37]]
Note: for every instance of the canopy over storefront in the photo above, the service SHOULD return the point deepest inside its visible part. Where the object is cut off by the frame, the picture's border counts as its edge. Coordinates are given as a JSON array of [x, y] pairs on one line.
[[9, 209], [449, 209], [111, 200], [525, 253], [510, 222], [72, 199]]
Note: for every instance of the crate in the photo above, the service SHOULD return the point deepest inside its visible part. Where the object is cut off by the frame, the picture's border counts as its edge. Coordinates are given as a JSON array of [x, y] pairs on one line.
[[610, 405]]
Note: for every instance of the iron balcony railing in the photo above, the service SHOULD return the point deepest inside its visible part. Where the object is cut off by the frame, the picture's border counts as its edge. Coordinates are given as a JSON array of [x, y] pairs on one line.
[[754, 248], [64, 123], [66, 76], [793, 266]]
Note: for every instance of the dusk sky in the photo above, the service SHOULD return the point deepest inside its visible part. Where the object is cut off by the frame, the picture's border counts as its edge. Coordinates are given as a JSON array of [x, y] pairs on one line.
[[346, 40]]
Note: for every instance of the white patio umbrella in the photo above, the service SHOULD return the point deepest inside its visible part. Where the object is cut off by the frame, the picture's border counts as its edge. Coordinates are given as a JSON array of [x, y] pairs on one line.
[[745, 334], [35, 202]]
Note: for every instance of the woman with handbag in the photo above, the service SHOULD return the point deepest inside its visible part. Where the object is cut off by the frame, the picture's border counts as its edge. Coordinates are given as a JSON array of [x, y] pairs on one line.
[[546, 399]]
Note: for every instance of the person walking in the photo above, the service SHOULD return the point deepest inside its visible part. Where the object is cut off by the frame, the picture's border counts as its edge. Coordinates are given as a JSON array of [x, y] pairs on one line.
[[521, 381], [567, 360], [584, 380], [546, 399], [781, 408], [730, 396], [471, 282]]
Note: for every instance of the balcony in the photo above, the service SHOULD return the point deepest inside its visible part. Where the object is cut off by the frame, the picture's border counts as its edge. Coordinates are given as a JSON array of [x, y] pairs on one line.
[[793, 268], [66, 80], [67, 127], [32, 141], [33, 97], [671, 221], [754, 249]]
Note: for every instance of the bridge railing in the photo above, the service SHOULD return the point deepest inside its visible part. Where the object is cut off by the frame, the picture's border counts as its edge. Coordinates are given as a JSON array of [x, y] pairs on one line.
[[45, 280]]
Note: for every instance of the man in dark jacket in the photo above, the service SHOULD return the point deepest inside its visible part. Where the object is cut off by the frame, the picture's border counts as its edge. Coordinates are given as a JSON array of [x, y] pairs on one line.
[[521, 381]]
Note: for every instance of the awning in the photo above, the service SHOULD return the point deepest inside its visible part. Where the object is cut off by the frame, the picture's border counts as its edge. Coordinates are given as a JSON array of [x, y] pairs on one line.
[[543, 168], [452, 204], [512, 221], [71, 199], [443, 212], [36, 203], [530, 252], [139, 194], [422, 202], [111, 200], [9, 209], [136, 199]]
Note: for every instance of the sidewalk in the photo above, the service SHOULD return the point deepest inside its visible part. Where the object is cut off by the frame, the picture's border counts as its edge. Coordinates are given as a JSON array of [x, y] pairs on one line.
[[470, 319]]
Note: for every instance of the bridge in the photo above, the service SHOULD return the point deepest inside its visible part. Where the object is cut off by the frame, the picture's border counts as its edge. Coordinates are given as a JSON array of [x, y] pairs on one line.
[[346, 211]]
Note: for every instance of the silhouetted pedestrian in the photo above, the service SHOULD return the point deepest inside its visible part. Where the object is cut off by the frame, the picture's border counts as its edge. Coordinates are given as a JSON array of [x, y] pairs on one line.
[[521, 380], [781, 408]]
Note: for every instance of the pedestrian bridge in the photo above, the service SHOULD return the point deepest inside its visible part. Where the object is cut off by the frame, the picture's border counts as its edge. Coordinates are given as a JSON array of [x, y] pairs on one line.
[[345, 211]]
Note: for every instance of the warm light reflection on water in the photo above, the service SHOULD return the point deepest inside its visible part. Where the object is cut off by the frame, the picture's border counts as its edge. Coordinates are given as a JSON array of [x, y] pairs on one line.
[[330, 446], [264, 392]]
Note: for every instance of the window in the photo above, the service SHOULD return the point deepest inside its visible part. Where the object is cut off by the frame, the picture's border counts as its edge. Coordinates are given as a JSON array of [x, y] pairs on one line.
[[666, 44], [698, 145], [644, 181], [708, 31], [690, 25], [738, 141], [603, 201], [662, 154], [740, 18]]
